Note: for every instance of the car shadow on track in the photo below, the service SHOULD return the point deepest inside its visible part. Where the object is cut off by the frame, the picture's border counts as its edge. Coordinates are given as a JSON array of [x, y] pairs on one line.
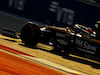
[[35, 47], [93, 64], [83, 61], [9, 40]]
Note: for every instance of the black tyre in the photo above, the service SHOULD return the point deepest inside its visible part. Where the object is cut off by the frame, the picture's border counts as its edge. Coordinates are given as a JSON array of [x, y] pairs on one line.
[[62, 46], [30, 34]]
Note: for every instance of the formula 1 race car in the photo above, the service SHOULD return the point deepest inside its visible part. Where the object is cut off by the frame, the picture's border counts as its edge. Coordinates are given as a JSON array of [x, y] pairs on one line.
[[78, 39]]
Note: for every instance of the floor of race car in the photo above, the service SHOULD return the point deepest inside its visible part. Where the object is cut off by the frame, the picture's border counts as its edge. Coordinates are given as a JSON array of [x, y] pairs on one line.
[[16, 58]]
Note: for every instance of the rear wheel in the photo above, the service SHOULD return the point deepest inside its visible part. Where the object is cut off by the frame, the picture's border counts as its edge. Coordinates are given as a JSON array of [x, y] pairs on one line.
[[30, 34]]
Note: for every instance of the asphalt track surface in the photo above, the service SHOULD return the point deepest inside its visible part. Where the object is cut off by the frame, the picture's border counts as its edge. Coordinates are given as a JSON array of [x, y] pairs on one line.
[[15, 61], [41, 56], [12, 65]]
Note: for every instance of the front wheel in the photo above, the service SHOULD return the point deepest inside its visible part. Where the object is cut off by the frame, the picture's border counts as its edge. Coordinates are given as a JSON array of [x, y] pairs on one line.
[[60, 49]]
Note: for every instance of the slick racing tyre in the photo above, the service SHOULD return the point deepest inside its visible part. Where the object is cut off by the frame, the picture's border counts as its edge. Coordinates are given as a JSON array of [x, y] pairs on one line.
[[60, 49], [30, 34]]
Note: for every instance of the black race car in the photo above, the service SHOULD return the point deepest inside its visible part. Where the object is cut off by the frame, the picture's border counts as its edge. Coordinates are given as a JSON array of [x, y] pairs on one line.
[[78, 39]]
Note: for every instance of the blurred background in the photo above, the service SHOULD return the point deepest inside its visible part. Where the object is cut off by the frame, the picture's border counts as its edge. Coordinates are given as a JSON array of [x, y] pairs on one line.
[[14, 13]]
